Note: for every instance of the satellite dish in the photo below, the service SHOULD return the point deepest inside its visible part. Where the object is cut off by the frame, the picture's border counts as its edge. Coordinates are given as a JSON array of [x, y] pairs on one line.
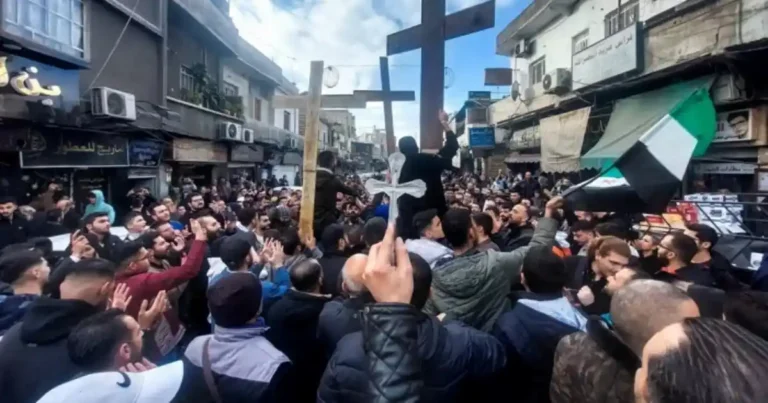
[[529, 94], [515, 91], [330, 77], [449, 77]]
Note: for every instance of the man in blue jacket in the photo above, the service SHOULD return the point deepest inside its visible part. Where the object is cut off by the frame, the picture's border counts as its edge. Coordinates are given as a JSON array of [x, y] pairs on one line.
[[538, 320], [450, 352]]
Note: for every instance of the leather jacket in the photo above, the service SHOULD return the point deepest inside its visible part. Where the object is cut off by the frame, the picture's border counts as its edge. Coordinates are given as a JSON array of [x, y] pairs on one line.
[[390, 342]]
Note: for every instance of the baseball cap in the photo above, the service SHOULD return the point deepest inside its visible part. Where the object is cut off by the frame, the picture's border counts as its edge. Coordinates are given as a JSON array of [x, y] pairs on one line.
[[159, 384], [233, 251], [235, 299]]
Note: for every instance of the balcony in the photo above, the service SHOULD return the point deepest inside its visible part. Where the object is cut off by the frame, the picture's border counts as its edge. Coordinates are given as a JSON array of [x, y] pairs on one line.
[[211, 18], [268, 134], [199, 121], [531, 21]]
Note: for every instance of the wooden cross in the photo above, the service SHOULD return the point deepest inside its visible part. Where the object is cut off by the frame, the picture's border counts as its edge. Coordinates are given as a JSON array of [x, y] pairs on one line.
[[394, 190], [311, 132], [387, 96], [430, 36]]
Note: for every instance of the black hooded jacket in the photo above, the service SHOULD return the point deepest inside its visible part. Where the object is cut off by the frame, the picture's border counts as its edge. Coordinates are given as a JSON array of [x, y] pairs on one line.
[[429, 168], [33, 354]]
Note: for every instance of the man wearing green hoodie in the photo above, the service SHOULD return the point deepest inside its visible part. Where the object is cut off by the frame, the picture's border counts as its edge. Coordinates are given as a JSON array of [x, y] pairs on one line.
[[96, 204]]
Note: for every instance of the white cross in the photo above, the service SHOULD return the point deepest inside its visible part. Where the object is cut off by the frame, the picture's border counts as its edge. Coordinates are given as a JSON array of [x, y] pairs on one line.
[[394, 190]]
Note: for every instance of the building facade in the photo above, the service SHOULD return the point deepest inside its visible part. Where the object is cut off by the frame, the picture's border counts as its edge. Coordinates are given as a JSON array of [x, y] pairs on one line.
[[577, 66], [116, 94]]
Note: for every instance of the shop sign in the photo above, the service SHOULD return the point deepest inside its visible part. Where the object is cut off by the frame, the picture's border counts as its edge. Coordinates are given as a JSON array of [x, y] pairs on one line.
[[482, 137], [187, 150], [477, 95], [615, 55], [734, 126], [530, 137], [52, 86], [246, 153], [64, 148], [145, 153], [292, 159], [725, 168]]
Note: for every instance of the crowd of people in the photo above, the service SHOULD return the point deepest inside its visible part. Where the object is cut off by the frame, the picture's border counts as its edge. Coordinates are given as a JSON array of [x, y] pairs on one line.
[[490, 289]]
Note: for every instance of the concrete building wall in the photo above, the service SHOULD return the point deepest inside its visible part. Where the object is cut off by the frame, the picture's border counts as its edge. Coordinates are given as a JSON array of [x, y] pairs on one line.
[[124, 72]]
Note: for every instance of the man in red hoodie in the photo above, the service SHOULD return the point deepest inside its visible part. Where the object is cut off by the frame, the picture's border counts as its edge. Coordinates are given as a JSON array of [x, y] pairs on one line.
[[143, 285]]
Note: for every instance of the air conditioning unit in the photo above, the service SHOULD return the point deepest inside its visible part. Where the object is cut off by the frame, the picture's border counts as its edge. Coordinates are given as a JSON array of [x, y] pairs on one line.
[[557, 81], [229, 131], [524, 48], [248, 136], [729, 88], [111, 103]]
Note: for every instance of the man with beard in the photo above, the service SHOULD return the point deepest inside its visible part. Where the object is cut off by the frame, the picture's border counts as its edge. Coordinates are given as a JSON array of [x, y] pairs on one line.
[[429, 168], [97, 231], [519, 230], [13, 227], [676, 252], [133, 271], [33, 353], [113, 340], [334, 243], [159, 213], [195, 203], [326, 188]]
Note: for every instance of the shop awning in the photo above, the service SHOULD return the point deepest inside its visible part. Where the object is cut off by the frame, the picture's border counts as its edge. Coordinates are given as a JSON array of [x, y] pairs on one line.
[[634, 116], [523, 159], [561, 139]]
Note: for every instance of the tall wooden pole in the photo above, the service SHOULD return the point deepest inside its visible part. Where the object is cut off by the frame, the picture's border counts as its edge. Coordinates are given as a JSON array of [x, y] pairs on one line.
[[388, 121], [307, 217]]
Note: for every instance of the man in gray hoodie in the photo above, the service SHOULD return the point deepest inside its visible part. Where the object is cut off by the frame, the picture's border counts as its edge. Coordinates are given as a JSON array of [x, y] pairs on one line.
[[473, 287]]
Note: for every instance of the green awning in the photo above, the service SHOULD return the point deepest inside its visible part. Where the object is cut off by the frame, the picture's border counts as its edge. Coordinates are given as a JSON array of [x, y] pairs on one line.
[[634, 116]]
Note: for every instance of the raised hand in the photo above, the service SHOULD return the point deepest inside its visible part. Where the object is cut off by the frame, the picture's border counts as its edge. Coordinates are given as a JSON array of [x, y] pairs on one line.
[[148, 315], [178, 244], [388, 272], [121, 297], [197, 228]]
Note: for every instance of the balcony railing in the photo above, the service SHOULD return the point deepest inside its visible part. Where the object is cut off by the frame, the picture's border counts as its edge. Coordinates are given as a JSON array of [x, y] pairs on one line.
[[198, 121]]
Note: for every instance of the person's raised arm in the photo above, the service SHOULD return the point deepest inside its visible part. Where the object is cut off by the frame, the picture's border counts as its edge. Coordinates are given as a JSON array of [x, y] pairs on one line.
[[176, 276]]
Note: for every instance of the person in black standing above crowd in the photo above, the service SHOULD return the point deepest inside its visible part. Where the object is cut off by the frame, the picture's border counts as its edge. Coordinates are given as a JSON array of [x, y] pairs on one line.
[[13, 227], [528, 187], [326, 187], [429, 168]]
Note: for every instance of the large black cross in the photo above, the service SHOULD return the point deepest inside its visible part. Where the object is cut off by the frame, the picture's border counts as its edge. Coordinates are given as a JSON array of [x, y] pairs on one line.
[[430, 36]]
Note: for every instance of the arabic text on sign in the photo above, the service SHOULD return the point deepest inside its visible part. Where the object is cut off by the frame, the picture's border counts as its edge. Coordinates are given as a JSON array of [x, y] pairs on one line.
[[90, 147], [23, 82]]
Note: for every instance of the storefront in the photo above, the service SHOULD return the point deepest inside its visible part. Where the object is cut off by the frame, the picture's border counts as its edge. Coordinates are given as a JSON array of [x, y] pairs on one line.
[[90, 159], [196, 161], [245, 161]]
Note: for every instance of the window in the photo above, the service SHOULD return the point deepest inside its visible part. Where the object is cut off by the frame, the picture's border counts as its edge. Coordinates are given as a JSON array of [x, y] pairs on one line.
[[537, 71], [187, 79], [57, 24], [615, 21], [286, 120], [580, 41], [230, 90], [257, 108]]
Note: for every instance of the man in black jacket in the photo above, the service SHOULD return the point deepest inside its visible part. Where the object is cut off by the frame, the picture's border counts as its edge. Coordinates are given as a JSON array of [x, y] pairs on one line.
[[13, 227], [327, 185], [449, 352], [100, 237], [429, 168], [293, 327], [33, 353]]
